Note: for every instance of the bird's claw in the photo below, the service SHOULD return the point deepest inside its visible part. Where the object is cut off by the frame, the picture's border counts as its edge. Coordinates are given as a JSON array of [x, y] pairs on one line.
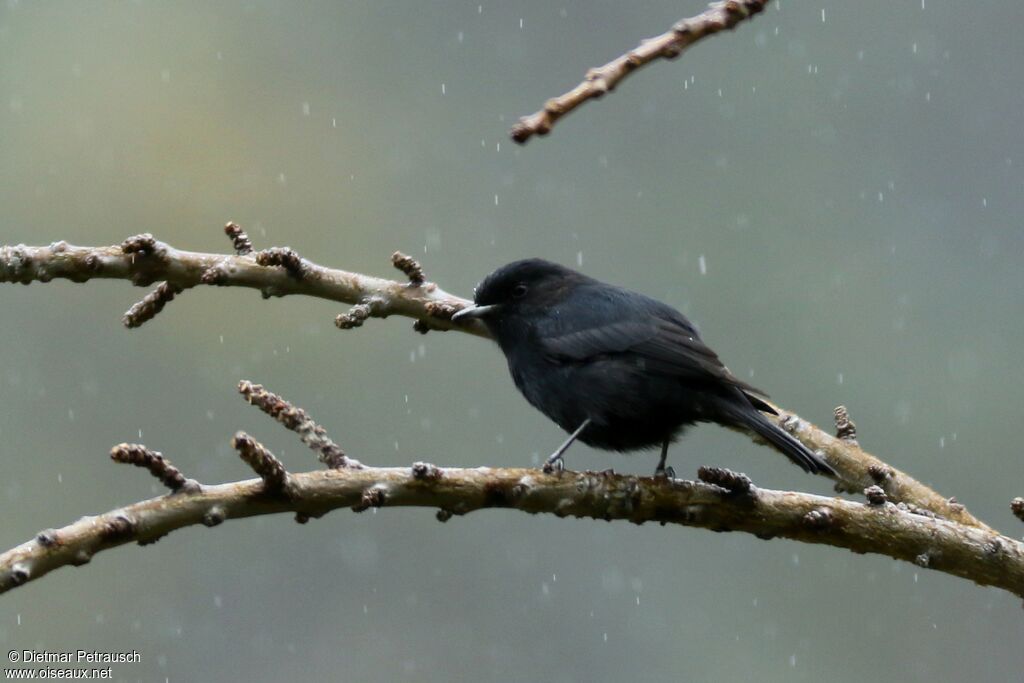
[[664, 473], [552, 465]]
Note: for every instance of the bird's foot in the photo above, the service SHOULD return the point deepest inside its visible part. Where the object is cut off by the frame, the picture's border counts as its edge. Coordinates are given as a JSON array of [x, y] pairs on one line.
[[664, 473], [553, 464]]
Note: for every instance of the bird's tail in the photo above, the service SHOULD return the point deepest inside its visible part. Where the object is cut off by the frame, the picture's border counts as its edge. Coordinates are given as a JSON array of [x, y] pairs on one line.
[[784, 442]]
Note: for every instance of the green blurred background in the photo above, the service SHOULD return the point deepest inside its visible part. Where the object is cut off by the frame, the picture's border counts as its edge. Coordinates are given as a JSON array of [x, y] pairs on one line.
[[849, 174]]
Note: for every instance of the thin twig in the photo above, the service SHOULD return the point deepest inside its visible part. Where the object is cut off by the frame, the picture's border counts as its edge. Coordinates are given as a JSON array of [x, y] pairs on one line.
[[300, 422], [262, 461], [146, 309], [157, 465], [719, 16]]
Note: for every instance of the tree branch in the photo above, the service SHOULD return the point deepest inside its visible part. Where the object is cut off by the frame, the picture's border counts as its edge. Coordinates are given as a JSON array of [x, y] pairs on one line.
[[144, 260], [719, 16], [903, 519], [859, 470], [980, 555]]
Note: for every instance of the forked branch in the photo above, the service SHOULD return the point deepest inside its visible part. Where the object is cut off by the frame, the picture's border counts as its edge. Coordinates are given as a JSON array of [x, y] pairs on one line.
[[902, 518], [720, 501]]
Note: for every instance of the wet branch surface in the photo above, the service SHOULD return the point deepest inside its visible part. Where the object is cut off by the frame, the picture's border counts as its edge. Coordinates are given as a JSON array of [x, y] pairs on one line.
[[901, 518]]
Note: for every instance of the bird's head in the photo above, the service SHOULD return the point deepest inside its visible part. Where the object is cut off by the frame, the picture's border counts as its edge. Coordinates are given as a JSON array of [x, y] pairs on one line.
[[517, 288]]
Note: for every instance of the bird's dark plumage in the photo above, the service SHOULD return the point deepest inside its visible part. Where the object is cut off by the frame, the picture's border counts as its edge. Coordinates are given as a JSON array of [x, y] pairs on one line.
[[631, 369]]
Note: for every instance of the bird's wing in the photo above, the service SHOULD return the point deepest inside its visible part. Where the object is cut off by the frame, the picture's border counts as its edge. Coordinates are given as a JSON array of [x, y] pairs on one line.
[[659, 345]]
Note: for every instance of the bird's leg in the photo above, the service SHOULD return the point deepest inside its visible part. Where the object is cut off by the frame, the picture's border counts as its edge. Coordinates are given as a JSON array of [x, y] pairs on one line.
[[554, 461], [661, 470]]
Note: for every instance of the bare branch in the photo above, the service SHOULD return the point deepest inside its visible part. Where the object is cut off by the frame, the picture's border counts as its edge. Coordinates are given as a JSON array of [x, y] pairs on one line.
[[150, 260], [299, 421], [859, 470], [719, 16], [980, 555], [904, 518]]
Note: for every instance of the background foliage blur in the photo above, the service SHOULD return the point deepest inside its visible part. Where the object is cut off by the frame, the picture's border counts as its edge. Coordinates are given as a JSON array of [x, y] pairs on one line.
[[833, 192]]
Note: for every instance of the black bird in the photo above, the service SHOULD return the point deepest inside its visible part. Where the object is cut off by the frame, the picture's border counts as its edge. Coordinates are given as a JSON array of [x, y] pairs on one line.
[[616, 369]]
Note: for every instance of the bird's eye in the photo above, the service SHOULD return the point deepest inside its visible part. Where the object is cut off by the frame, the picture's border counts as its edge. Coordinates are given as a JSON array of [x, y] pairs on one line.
[[519, 291]]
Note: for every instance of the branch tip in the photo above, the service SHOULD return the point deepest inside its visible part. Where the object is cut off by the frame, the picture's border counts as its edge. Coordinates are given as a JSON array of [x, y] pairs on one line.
[[845, 427], [355, 317], [262, 461], [299, 421], [239, 239], [410, 266], [159, 466], [146, 309]]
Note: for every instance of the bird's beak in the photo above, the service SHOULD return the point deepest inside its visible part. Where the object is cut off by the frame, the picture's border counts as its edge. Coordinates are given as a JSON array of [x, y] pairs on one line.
[[474, 313]]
